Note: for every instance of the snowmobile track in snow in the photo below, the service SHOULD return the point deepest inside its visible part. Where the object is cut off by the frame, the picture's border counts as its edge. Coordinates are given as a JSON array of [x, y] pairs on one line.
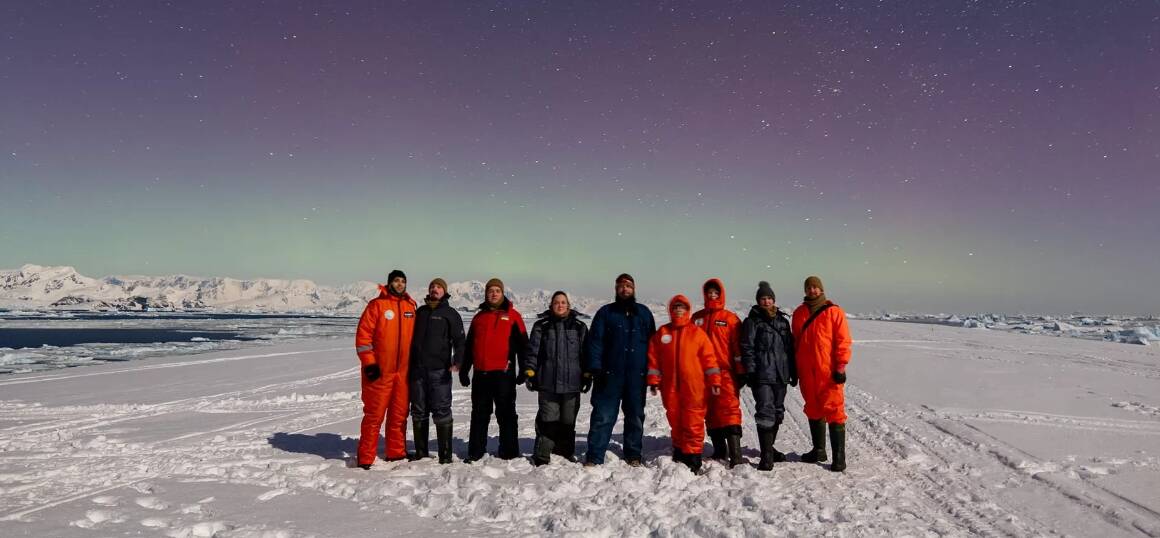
[[871, 426], [1093, 497]]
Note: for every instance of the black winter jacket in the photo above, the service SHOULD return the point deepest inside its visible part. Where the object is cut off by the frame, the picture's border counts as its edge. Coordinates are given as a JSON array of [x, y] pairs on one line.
[[556, 352], [767, 347], [438, 333]]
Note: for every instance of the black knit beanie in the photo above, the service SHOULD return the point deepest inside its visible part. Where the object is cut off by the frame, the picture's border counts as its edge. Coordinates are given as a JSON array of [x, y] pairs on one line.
[[763, 290]]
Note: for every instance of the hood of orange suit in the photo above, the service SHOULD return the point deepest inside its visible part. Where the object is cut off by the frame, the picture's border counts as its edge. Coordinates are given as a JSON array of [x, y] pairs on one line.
[[714, 304], [683, 320]]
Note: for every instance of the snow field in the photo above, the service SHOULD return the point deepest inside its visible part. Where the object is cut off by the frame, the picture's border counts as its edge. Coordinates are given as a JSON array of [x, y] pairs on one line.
[[952, 432]]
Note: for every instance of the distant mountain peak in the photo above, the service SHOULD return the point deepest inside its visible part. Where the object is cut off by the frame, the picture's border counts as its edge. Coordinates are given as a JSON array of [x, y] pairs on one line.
[[39, 287]]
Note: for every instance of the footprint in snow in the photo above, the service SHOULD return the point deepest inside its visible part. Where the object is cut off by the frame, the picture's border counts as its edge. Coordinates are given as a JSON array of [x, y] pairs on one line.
[[271, 494], [152, 503], [95, 517], [206, 528], [155, 522], [492, 472], [106, 500]]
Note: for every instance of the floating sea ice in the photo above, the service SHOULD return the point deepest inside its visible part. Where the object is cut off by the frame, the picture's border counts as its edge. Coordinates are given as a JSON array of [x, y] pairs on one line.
[[1138, 335]]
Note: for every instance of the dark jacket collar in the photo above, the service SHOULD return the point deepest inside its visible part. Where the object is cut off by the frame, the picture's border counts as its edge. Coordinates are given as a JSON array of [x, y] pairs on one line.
[[757, 311], [625, 305]]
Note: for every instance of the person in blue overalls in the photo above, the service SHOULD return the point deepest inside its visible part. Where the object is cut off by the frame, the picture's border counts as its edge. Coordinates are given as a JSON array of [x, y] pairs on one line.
[[617, 347]]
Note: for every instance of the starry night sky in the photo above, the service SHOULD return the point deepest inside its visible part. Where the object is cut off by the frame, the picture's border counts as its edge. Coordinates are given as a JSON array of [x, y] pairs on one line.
[[923, 155]]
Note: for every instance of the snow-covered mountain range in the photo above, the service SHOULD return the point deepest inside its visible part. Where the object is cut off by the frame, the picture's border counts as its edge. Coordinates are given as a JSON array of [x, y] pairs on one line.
[[36, 287]]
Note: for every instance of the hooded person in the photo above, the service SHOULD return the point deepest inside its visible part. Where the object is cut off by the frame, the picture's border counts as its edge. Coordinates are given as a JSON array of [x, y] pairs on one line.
[[767, 353], [617, 355], [383, 344], [495, 347], [554, 368], [822, 349], [723, 329], [436, 350], [682, 367]]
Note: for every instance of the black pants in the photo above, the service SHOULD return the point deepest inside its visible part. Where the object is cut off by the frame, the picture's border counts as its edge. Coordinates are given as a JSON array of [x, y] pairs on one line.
[[493, 390], [770, 404], [431, 395], [556, 425]]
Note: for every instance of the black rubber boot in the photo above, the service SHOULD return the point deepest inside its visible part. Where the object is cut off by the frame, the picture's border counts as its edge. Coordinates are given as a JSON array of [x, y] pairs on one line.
[[565, 441], [838, 444], [818, 435], [765, 438], [542, 451], [694, 462], [734, 442], [720, 449], [443, 438], [679, 456], [778, 456], [421, 433]]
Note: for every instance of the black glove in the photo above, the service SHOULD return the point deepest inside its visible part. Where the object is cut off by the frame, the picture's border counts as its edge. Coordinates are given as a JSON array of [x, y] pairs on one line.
[[372, 372], [464, 379], [739, 380], [530, 381], [599, 379], [751, 379], [585, 382], [793, 381], [839, 377]]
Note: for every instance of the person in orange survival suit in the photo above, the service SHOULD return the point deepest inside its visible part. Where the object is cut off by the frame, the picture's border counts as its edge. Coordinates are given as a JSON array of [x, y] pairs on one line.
[[822, 350], [723, 328], [682, 366], [383, 344]]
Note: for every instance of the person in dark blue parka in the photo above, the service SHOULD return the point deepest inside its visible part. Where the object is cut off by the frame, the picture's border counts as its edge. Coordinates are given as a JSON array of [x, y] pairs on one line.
[[617, 347]]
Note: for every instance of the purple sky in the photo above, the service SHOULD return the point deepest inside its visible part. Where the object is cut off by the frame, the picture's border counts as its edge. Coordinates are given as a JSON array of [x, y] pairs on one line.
[[936, 156]]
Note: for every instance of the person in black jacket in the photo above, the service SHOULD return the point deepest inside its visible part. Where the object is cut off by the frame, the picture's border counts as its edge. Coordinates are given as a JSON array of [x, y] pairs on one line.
[[553, 368], [436, 351], [767, 354]]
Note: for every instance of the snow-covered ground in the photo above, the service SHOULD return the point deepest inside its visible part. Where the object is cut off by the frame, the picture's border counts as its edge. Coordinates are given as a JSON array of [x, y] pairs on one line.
[[952, 431]]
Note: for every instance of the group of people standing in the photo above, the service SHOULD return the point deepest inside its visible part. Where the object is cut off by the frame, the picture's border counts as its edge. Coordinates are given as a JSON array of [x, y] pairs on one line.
[[698, 363]]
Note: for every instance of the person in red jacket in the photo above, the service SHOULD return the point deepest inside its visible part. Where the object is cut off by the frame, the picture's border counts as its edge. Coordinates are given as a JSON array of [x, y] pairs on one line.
[[682, 366], [495, 347], [383, 344], [822, 350], [723, 328]]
